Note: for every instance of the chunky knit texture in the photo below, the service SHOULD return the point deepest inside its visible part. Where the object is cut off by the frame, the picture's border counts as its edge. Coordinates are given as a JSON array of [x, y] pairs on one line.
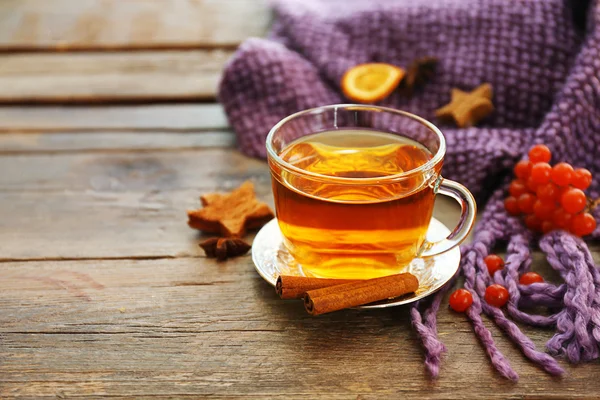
[[545, 70]]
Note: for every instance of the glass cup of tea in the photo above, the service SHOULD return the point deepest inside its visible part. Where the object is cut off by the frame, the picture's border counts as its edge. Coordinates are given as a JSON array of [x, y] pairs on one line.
[[354, 189]]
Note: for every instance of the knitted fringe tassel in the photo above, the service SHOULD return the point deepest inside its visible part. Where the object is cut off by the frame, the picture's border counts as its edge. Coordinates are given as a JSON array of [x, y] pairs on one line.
[[577, 321]]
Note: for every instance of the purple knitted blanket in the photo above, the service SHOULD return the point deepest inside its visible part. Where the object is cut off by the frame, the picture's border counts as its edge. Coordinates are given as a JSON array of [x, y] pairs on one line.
[[542, 58]]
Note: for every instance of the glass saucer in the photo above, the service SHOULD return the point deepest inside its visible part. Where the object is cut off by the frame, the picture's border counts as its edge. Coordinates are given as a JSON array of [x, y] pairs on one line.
[[272, 259]]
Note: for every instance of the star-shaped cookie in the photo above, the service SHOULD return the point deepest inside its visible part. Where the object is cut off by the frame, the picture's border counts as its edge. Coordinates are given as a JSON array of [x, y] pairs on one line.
[[230, 214], [468, 108]]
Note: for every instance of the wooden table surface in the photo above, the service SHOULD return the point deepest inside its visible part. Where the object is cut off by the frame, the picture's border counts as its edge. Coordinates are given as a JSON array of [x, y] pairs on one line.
[[103, 288]]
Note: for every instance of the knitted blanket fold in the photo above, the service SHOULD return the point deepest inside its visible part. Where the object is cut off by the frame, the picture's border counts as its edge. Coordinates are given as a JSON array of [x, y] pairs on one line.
[[545, 71]]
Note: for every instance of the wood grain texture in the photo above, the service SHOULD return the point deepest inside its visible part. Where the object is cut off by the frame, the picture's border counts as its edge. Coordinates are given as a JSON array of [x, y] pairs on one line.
[[145, 118], [99, 225], [117, 24], [115, 204], [115, 77], [195, 327], [128, 172]]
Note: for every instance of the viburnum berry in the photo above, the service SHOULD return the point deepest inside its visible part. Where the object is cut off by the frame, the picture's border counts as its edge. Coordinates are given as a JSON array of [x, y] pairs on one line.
[[530, 277], [512, 205], [493, 263], [523, 169], [533, 223], [517, 188], [540, 173], [562, 219], [547, 226], [543, 210], [582, 178], [563, 190], [548, 192], [540, 153], [562, 173], [496, 295], [573, 200], [460, 300], [583, 224], [526, 202], [532, 185]]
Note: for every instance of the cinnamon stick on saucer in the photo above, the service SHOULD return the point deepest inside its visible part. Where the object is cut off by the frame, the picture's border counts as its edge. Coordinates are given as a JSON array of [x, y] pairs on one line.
[[295, 287], [333, 298]]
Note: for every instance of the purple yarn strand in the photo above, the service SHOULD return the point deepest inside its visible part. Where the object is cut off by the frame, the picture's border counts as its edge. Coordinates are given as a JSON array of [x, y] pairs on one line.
[[577, 324], [426, 327], [518, 260], [434, 348], [595, 318], [510, 328], [542, 294], [483, 334], [545, 361]]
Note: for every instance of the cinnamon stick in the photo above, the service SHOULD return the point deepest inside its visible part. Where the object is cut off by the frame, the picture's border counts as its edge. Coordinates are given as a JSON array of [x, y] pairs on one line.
[[295, 287], [333, 298]]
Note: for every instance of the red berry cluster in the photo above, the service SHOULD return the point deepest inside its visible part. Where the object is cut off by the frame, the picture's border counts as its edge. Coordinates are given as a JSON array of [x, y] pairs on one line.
[[550, 197]]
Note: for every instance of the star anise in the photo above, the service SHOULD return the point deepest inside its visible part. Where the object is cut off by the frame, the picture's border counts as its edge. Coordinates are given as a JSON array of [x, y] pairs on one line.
[[224, 248], [418, 73]]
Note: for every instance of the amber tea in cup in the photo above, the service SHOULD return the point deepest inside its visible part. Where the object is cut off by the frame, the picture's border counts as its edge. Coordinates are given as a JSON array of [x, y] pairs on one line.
[[355, 200]]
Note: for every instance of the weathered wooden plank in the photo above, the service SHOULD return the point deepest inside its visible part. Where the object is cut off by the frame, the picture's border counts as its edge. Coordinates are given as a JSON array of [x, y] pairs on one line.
[[132, 172], [111, 24], [116, 204], [194, 327], [113, 205], [142, 224], [103, 77], [52, 143], [180, 117]]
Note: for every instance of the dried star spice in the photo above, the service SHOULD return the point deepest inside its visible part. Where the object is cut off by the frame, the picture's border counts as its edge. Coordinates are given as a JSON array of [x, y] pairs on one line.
[[231, 214], [418, 73], [468, 108], [224, 248]]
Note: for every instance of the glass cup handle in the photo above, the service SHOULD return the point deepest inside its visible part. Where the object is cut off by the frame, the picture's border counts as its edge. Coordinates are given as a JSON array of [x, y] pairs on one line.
[[467, 219]]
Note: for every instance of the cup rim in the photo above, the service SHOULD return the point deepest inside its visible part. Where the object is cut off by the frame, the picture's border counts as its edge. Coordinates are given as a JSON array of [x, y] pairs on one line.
[[438, 156]]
